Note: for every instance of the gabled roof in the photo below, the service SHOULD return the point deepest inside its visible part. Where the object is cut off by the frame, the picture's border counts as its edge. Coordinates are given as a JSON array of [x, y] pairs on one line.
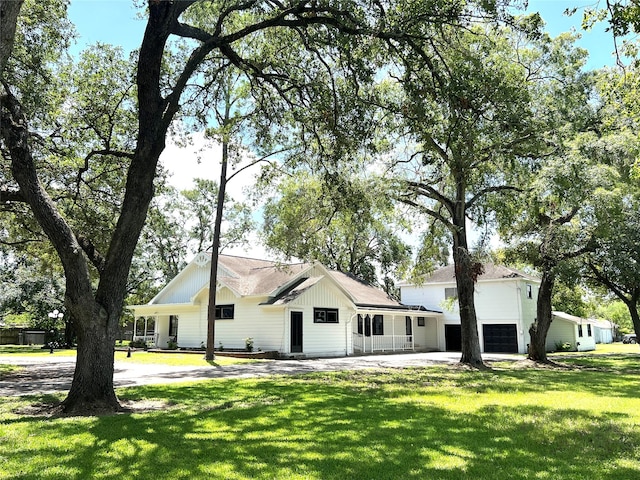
[[293, 291], [491, 272], [604, 324], [282, 283], [361, 293], [252, 277], [572, 318]]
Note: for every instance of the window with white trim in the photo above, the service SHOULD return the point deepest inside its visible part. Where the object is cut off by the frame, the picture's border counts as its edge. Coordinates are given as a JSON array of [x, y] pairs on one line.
[[451, 292]]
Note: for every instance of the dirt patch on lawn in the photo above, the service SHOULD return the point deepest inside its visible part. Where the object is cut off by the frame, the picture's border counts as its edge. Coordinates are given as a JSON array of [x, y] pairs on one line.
[[54, 409]]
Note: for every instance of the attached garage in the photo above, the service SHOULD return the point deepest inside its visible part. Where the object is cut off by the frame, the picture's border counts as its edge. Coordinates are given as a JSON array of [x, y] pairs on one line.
[[500, 338]]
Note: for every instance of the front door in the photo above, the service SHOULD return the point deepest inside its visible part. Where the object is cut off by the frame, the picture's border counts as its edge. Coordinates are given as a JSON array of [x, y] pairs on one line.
[[453, 338], [296, 332]]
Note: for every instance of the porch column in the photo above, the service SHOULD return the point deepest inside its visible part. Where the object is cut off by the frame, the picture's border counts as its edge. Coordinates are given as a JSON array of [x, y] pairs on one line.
[[135, 327], [393, 333], [413, 334], [156, 334], [145, 328]]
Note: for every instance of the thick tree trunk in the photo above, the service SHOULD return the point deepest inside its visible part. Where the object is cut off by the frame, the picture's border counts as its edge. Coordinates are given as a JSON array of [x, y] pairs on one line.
[[540, 327], [96, 313], [466, 273], [9, 11], [92, 387], [70, 337], [632, 304]]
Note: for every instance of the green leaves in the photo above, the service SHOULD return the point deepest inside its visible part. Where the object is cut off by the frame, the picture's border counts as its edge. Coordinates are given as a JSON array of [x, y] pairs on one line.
[[348, 224]]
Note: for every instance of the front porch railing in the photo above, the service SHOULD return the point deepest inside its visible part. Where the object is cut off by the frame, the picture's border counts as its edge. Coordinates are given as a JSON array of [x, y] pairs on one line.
[[382, 343], [145, 338]]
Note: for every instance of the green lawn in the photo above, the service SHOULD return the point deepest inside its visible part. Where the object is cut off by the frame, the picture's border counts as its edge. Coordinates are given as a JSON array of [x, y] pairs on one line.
[[32, 350], [8, 369], [604, 349], [581, 422], [137, 356]]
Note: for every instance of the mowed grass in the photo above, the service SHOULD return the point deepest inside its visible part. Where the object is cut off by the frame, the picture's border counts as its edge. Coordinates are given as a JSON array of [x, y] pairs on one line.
[[137, 356], [179, 359], [34, 350], [510, 422]]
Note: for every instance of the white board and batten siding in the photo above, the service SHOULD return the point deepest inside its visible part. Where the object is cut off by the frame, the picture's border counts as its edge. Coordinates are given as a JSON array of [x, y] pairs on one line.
[[191, 280], [191, 333], [587, 343], [427, 337], [183, 312], [250, 320], [269, 326], [502, 301], [562, 331], [327, 339], [263, 325], [506, 303]]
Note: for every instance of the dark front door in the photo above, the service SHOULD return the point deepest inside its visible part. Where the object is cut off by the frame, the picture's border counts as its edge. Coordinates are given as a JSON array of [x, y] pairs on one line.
[[296, 332], [453, 338], [500, 338]]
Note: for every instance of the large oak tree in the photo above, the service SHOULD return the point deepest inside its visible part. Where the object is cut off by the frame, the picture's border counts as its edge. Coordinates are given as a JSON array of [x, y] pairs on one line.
[[97, 307], [467, 107], [96, 269]]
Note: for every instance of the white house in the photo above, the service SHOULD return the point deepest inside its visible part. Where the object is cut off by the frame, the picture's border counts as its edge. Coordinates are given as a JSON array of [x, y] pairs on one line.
[[294, 309], [505, 301]]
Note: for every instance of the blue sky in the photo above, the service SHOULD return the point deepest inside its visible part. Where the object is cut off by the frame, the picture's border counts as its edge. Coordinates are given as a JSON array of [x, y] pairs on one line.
[[114, 21]]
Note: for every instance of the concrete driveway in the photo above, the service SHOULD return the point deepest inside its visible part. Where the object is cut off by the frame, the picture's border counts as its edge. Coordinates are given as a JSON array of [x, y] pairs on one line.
[[53, 374]]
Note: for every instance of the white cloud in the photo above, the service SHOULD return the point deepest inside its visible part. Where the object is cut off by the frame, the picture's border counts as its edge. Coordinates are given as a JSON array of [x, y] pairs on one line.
[[199, 157]]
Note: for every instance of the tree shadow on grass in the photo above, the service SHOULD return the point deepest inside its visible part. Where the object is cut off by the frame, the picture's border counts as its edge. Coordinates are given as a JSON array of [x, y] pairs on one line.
[[302, 428]]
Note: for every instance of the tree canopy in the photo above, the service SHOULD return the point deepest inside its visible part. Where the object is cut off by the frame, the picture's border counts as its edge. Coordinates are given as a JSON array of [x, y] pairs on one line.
[[454, 104]]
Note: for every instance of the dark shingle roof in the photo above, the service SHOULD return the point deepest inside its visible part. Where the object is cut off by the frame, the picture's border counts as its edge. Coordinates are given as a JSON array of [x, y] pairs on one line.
[[248, 276], [263, 277], [363, 293], [491, 272]]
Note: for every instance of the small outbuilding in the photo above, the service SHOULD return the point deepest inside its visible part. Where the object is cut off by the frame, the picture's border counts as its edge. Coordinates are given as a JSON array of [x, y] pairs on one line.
[[604, 331], [578, 332]]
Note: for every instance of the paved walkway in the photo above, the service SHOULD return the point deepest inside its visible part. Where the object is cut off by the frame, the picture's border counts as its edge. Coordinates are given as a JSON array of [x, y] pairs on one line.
[[53, 374]]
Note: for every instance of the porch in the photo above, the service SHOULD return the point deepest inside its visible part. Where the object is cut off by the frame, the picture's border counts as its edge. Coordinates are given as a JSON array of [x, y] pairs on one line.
[[146, 334], [382, 343], [148, 339], [395, 330]]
